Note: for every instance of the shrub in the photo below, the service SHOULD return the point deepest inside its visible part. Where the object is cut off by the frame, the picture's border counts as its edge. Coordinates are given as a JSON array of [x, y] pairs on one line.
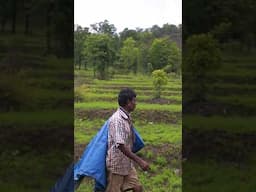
[[159, 80]]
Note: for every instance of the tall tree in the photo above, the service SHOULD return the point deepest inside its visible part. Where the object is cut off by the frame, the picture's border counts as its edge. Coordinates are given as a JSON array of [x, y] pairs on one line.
[[27, 4], [164, 52], [104, 28], [202, 55], [14, 13], [99, 53], [126, 33], [130, 55], [80, 35], [5, 10]]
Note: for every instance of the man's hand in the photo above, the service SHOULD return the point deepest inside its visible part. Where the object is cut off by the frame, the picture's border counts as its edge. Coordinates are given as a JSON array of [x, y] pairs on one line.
[[144, 165]]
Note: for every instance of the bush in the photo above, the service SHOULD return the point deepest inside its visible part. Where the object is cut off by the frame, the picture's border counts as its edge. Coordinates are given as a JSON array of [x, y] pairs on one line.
[[202, 55], [159, 80]]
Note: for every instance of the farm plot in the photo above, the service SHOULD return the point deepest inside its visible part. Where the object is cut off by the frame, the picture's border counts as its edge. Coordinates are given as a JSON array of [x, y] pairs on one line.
[[222, 133], [157, 120]]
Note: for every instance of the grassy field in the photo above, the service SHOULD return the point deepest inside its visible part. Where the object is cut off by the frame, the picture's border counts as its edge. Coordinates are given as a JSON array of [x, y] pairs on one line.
[[158, 122], [36, 116], [220, 137]]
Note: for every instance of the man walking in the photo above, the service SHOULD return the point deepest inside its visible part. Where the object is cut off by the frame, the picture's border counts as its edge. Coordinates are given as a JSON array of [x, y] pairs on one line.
[[122, 175]]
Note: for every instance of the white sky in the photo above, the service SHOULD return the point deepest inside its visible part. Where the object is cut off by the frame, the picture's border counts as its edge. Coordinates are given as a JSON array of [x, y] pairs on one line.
[[128, 13]]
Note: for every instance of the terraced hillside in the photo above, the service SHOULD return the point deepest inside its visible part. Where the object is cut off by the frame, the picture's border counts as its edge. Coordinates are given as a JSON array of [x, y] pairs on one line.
[[157, 120], [33, 113], [219, 135]]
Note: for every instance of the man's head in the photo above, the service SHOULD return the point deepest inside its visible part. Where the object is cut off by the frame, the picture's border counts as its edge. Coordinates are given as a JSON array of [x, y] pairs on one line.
[[127, 99]]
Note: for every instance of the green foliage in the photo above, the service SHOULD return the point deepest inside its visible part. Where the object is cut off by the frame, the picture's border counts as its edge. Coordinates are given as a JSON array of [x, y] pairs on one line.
[[129, 55], [80, 35], [159, 80], [99, 50], [104, 28], [207, 175], [142, 106], [221, 31], [202, 55], [161, 161], [165, 52]]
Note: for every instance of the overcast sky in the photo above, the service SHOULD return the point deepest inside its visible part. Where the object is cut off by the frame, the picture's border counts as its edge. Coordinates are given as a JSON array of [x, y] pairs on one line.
[[128, 13]]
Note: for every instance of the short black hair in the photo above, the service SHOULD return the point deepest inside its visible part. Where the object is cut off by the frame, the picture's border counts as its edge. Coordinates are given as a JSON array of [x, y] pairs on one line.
[[125, 95]]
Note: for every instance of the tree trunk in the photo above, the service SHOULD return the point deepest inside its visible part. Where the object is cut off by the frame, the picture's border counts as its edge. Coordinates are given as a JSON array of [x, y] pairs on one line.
[[3, 24], [14, 13], [26, 23]]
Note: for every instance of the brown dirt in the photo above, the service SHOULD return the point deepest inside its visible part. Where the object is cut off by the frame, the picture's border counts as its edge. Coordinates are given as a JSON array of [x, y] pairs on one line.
[[37, 140], [162, 101], [207, 108], [143, 115], [219, 145]]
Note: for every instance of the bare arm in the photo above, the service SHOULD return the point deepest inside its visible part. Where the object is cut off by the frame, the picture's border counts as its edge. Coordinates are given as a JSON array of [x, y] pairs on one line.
[[143, 164]]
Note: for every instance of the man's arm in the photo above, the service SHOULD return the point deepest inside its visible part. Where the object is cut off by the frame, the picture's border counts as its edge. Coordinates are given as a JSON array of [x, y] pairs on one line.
[[143, 164]]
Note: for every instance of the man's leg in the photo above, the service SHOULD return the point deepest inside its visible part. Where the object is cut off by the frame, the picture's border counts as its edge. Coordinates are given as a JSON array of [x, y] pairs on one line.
[[137, 188], [115, 182], [131, 182]]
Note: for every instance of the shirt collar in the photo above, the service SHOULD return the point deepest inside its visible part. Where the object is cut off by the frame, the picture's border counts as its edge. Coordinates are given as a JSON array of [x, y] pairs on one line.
[[124, 113]]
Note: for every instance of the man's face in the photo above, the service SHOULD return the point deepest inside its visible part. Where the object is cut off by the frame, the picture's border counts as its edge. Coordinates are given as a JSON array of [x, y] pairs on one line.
[[132, 104]]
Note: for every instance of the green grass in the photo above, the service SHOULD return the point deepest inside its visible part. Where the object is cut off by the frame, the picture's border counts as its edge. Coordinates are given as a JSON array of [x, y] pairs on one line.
[[153, 134], [142, 84], [89, 96], [31, 172], [212, 176], [140, 106], [238, 100], [156, 134], [138, 91], [34, 120], [232, 124], [85, 130]]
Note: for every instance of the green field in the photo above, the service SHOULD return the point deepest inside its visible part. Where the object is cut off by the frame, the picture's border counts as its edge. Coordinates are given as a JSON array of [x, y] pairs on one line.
[[220, 137], [158, 122], [36, 109]]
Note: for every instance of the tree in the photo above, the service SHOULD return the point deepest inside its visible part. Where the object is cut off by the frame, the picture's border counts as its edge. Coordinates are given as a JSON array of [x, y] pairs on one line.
[[202, 55], [5, 10], [126, 33], [164, 52], [104, 28], [130, 55], [156, 31], [99, 52], [80, 35], [159, 80]]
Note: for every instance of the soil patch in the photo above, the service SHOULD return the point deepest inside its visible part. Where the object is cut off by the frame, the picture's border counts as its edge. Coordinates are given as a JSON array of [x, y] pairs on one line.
[[207, 108], [161, 101], [37, 141], [142, 115], [219, 145]]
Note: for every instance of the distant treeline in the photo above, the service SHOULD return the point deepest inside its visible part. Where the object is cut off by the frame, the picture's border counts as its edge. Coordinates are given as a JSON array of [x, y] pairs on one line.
[[104, 50], [51, 20], [231, 22]]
